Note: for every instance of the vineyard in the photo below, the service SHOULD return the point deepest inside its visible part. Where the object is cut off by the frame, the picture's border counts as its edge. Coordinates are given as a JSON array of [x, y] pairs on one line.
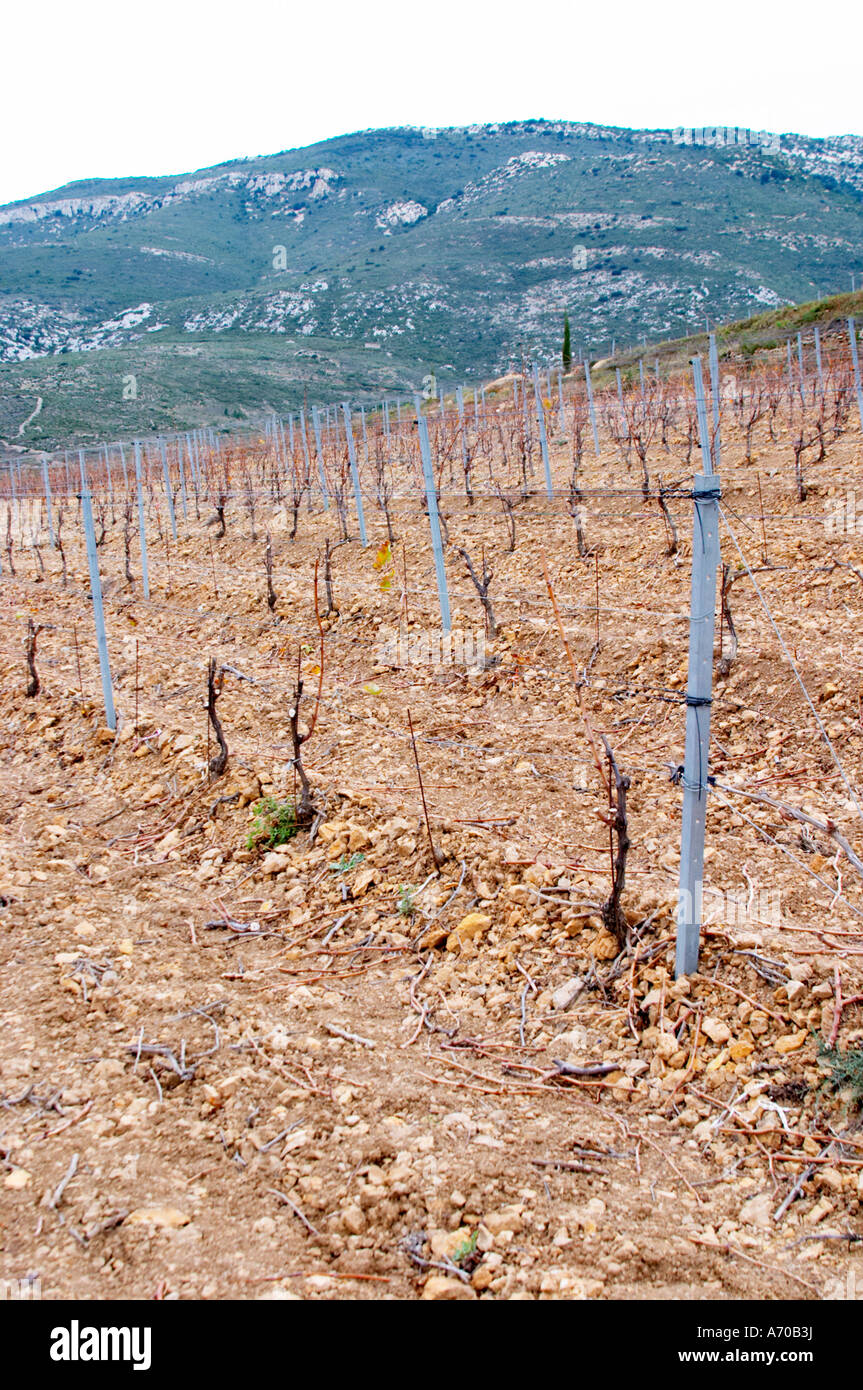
[[342, 769]]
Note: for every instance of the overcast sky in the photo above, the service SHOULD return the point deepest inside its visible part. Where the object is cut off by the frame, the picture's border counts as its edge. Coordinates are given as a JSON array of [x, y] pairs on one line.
[[105, 88]]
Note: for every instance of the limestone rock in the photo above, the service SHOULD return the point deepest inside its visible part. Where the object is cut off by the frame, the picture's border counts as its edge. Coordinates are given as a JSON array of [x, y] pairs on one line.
[[758, 1210], [468, 929], [566, 994], [716, 1030], [442, 1288], [162, 1218]]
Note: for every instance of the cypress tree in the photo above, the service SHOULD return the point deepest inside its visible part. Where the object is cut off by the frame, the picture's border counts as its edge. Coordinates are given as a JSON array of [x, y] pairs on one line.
[[567, 346]]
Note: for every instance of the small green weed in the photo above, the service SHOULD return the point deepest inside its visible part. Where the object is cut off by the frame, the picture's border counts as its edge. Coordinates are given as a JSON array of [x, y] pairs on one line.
[[407, 906], [346, 863], [274, 824], [465, 1250], [846, 1070]]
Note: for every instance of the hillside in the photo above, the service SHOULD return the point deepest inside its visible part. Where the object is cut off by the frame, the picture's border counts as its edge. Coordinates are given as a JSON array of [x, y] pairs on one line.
[[395, 1051], [748, 340], [359, 264]]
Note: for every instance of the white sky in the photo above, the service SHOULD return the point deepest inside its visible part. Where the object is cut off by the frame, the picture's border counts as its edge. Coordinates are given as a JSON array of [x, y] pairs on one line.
[[105, 88]]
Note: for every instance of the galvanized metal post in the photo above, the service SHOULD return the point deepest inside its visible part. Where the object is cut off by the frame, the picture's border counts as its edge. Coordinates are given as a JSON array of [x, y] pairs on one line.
[[321, 474], [196, 471], [590, 406], [459, 396], [434, 523], [818, 366], [96, 592], [715, 396], [316, 425], [355, 472], [183, 496], [110, 478], [852, 338], [48, 503], [800, 368], [281, 446], [142, 528], [705, 562], [169, 495], [12, 517], [543, 439], [620, 398], [194, 455]]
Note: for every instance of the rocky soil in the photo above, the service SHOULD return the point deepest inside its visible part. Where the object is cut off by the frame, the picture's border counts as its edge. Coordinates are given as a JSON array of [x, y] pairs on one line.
[[332, 1069]]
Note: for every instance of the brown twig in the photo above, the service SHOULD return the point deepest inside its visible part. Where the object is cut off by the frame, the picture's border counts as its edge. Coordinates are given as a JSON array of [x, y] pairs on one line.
[[296, 1210], [437, 857], [827, 826], [838, 1005]]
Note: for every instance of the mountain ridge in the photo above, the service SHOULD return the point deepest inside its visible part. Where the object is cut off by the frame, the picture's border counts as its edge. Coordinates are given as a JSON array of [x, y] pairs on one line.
[[453, 249]]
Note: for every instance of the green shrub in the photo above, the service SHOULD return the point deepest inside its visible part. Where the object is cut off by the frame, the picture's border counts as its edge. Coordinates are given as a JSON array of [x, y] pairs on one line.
[[567, 344]]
